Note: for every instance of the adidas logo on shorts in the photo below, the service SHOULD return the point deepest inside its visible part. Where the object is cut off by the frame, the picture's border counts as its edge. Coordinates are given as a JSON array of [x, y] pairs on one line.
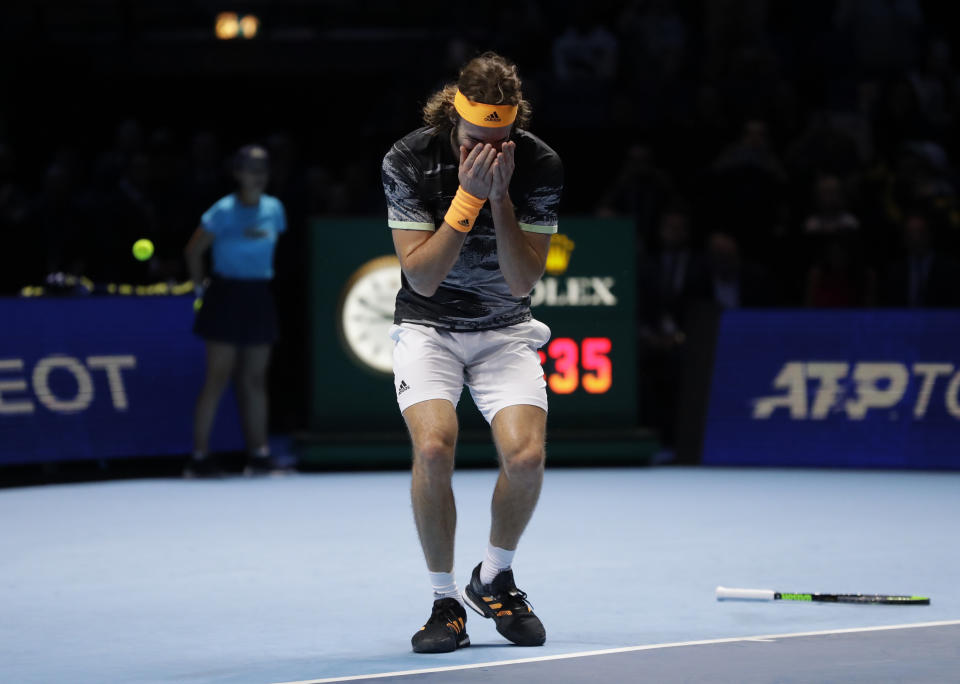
[[403, 387]]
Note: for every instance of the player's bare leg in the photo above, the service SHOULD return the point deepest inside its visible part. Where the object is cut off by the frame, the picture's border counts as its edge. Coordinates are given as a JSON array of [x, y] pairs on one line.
[[519, 433], [433, 431]]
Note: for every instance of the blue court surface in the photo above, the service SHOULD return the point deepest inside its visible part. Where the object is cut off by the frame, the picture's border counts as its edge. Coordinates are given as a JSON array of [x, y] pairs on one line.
[[310, 578]]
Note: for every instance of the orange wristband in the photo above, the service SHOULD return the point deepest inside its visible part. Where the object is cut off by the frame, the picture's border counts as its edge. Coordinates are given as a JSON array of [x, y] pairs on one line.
[[463, 211]]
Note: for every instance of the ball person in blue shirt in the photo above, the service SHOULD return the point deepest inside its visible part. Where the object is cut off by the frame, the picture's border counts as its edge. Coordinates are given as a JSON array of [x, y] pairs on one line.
[[237, 316]]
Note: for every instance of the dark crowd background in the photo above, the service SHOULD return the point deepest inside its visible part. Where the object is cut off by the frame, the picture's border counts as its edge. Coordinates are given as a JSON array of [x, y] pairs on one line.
[[789, 154]]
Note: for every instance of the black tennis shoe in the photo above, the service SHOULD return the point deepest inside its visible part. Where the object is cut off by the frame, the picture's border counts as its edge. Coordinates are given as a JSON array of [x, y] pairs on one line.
[[259, 465], [445, 631], [507, 606], [207, 468]]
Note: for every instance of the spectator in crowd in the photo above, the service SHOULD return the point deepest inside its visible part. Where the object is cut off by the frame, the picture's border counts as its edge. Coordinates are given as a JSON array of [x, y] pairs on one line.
[[731, 282], [353, 194], [669, 276], [206, 177], [654, 36], [922, 277], [519, 31], [128, 140], [840, 278], [317, 181], [640, 191], [173, 216], [12, 197], [586, 56], [898, 118], [747, 187], [752, 149], [586, 50], [13, 212], [694, 138], [830, 215], [283, 165], [237, 319], [129, 213], [925, 178], [921, 179], [729, 25], [937, 84], [825, 147], [57, 228], [667, 282], [885, 35]]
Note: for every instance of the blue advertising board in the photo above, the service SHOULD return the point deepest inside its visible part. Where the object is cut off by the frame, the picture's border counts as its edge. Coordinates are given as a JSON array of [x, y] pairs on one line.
[[102, 377], [873, 389]]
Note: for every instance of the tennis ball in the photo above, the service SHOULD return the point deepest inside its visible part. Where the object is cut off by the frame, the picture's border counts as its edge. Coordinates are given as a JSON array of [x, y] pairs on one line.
[[143, 249]]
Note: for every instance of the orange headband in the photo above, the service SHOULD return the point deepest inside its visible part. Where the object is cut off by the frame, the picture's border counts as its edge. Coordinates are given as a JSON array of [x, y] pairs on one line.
[[486, 115]]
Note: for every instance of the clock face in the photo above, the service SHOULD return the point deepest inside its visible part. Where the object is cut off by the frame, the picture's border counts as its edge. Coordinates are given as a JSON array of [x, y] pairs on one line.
[[366, 313]]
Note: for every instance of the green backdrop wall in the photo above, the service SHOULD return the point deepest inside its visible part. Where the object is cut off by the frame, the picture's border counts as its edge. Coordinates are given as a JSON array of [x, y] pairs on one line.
[[586, 297]]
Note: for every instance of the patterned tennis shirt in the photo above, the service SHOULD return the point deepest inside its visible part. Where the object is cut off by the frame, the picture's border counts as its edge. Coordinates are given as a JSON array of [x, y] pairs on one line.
[[419, 180]]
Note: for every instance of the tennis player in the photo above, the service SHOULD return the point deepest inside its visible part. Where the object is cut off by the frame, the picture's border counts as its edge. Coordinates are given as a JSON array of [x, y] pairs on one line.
[[237, 319], [472, 202]]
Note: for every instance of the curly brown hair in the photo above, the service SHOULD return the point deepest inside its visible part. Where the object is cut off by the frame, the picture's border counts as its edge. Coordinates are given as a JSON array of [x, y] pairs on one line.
[[490, 79]]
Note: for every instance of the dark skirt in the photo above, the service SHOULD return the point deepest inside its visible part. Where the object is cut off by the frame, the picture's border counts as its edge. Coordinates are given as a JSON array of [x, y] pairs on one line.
[[238, 312]]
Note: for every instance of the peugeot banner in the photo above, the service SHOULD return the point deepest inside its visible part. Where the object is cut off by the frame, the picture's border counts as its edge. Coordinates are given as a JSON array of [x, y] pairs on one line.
[[102, 377]]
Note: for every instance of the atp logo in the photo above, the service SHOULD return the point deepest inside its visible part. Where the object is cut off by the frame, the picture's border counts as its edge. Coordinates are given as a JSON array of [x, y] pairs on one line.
[[815, 390]]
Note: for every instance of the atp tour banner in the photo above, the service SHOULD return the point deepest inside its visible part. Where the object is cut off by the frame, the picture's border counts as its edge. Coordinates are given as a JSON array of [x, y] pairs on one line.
[[102, 377], [833, 388]]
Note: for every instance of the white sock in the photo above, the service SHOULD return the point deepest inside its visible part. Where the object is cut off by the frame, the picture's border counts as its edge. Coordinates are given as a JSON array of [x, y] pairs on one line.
[[497, 559], [444, 586]]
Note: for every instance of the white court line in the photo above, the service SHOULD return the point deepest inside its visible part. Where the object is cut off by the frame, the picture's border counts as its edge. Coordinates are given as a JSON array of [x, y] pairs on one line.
[[627, 649]]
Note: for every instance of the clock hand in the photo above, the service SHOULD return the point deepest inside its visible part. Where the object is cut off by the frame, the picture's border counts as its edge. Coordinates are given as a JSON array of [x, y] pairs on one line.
[[382, 312]]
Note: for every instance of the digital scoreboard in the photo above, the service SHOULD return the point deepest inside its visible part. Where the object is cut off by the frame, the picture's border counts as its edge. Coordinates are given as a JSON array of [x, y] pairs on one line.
[[586, 297]]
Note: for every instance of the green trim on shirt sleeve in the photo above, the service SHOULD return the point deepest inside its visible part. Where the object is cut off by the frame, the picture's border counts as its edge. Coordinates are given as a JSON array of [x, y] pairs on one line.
[[410, 225], [530, 228]]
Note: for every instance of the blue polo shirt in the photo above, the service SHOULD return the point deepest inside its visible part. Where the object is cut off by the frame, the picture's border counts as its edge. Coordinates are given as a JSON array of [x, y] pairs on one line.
[[244, 236]]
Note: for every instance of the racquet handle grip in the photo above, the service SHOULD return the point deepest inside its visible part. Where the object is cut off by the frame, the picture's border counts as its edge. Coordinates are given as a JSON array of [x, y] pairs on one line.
[[728, 594]]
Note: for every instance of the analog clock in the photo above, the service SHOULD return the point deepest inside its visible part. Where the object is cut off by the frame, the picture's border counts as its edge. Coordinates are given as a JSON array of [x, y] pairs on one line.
[[365, 313]]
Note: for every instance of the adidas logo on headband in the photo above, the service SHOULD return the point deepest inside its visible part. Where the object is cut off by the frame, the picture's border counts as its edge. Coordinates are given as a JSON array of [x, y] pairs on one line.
[[481, 114]]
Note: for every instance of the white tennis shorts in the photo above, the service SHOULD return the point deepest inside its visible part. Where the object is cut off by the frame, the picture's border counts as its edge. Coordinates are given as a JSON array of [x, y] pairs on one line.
[[501, 367]]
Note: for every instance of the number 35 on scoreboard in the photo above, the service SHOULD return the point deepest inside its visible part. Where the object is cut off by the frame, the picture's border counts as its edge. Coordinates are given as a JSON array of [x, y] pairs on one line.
[[586, 364]]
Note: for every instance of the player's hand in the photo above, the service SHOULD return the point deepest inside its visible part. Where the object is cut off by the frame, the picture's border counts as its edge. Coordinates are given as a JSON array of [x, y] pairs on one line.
[[476, 169], [503, 167]]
